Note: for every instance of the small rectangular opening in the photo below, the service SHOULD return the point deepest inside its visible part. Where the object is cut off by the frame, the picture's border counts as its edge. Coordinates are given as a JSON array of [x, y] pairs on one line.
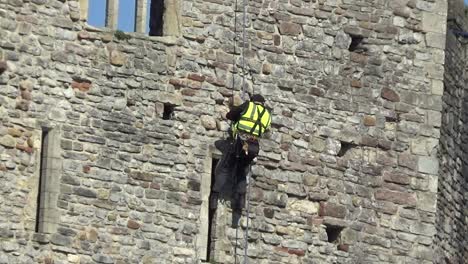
[[168, 112], [42, 171], [212, 215], [345, 147], [355, 42], [334, 233]]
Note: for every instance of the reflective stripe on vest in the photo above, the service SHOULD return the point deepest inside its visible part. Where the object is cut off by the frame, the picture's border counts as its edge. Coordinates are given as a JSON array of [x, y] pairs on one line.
[[248, 121]]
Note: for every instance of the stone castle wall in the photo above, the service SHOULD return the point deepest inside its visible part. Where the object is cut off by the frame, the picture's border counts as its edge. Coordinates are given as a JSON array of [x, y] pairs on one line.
[[354, 142], [452, 229]]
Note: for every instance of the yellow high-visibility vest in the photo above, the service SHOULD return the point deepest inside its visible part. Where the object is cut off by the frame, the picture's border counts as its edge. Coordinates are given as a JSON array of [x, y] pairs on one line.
[[255, 120]]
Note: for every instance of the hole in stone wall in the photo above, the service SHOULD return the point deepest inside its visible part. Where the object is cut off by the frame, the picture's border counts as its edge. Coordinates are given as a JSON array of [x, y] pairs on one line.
[[168, 112], [42, 172], [334, 233], [345, 147], [212, 215], [156, 17], [355, 43]]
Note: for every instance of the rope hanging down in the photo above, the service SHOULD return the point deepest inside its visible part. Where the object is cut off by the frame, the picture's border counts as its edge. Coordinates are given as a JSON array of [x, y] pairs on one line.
[[234, 71], [244, 40], [243, 96], [244, 16]]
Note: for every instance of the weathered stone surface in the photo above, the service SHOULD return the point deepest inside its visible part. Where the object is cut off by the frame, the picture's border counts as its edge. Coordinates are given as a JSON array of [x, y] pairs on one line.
[[289, 28], [303, 206], [369, 121], [360, 107], [390, 95], [26, 85], [117, 58], [396, 177], [133, 224], [428, 165], [408, 199], [332, 210], [8, 141], [208, 122]]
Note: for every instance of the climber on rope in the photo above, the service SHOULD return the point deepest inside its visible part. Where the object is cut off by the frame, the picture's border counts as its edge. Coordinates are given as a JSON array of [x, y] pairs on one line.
[[250, 121]]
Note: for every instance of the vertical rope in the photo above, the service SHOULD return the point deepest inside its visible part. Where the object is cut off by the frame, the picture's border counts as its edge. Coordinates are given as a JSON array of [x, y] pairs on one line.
[[234, 54], [249, 174], [243, 47], [244, 97], [235, 248]]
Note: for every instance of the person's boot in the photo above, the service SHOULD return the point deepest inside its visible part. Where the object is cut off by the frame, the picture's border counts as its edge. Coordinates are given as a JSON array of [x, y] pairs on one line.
[[214, 200], [236, 216]]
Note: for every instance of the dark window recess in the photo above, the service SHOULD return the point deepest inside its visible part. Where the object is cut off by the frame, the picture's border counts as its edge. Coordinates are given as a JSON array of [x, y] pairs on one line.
[[168, 111], [334, 233], [42, 169], [356, 42], [156, 18], [345, 147], [212, 216]]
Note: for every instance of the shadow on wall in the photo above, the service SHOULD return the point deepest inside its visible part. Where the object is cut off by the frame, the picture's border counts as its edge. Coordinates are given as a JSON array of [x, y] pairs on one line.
[[463, 224]]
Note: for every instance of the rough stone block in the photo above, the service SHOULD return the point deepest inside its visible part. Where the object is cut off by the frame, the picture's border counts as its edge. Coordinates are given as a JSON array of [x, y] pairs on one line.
[[332, 210], [8, 141], [369, 121], [396, 197], [427, 201], [208, 122], [437, 87], [396, 177], [433, 23], [81, 191], [60, 240], [390, 95], [289, 28], [428, 165], [101, 258], [132, 224], [304, 206], [436, 40], [117, 58]]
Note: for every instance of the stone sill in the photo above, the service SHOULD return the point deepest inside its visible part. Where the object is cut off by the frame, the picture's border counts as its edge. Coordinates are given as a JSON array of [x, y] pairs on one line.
[[168, 40]]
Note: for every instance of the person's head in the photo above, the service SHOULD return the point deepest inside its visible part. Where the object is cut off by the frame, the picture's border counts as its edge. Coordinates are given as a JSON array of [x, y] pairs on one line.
[[257, 98]]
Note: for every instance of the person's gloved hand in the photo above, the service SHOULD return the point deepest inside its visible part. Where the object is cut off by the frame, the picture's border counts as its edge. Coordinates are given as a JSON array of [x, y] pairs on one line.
[[245, 148]]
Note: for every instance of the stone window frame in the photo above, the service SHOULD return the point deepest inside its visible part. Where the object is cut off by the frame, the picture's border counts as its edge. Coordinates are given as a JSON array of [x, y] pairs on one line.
[[48, 175], [205, 190], [171, 16]]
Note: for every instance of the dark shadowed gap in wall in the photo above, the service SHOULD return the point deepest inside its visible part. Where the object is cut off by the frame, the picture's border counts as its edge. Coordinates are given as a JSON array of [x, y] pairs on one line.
[[168, 112], [211, 218], [345, 147], [42, 175], [156, 17], [355, 42], [333, 233]]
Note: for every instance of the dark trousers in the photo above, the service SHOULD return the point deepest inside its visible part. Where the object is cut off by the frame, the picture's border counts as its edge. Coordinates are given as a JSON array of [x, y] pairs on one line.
[[231, 172]]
